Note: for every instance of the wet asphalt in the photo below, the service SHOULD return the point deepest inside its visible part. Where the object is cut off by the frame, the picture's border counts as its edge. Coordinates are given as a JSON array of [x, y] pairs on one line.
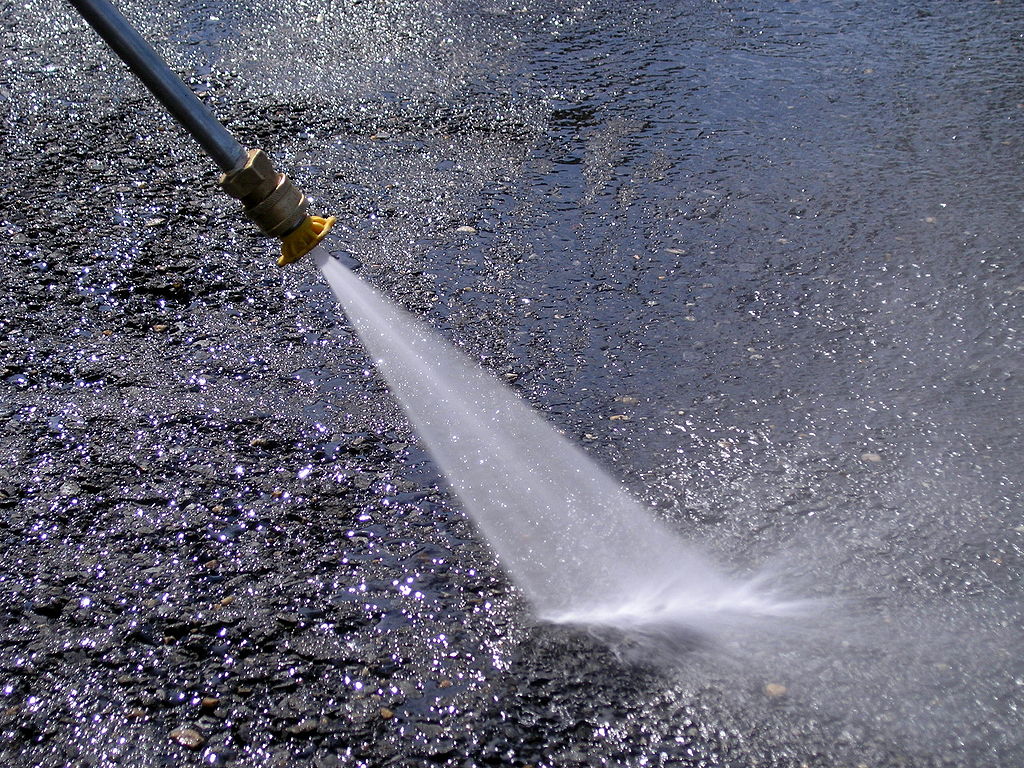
[[762, 259]]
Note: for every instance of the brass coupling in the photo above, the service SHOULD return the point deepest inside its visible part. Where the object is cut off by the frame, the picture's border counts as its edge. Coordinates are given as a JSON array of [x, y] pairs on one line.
[[270, 199], [277, 206]]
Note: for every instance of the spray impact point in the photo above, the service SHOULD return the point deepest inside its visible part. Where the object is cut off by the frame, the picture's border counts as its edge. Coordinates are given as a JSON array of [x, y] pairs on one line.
[[276, 205]]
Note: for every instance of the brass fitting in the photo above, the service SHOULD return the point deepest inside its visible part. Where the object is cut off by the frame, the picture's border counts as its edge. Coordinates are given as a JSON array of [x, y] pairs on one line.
[[276, 205], [269, 197]]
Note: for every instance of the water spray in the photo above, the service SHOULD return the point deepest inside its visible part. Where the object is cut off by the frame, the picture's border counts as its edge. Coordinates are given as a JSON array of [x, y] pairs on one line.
[[566, 531], [270, 199]]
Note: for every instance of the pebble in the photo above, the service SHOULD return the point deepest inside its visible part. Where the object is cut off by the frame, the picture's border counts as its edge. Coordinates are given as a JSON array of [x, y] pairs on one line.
[[619, 417], [774, 690], [304, 726], [386, 713], [188, 737], [874, 457], [156, 221], [209, 702], [467, 229], [160, 327]]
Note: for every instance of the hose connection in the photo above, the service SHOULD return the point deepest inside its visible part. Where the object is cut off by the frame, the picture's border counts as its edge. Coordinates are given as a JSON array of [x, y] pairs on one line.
[[276, 205]]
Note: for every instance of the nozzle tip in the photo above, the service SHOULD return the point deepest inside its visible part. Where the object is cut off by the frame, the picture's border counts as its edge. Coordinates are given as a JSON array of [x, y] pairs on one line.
[[304, 238]]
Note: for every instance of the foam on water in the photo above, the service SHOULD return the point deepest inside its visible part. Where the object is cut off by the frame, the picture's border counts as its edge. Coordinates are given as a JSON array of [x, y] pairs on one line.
[[571, 538]]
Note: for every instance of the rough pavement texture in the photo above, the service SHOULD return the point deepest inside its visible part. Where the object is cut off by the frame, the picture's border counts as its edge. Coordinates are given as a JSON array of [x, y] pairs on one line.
[[220, 543]]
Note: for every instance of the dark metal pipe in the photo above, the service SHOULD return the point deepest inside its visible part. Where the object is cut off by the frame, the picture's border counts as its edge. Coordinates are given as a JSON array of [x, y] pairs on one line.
[[184, 105]]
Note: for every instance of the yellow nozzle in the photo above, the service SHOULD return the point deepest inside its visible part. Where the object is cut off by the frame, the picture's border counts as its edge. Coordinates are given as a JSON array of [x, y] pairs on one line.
[[304, 238]]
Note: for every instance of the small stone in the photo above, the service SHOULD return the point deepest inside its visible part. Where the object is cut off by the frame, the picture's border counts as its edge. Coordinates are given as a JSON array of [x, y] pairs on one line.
[[467, 229], [160, 327], [873, 457], [156, 221], [188, 737], [69, 488], [226, 601], [676, 251], [107, 332], [136, 713], [445, 684], [304, 726], [619, 417], [386, 713], [774, 690], [209, 702], [627, 399]]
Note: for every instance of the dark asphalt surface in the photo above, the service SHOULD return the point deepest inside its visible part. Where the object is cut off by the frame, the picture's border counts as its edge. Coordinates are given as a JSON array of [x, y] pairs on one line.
[[780, 242]]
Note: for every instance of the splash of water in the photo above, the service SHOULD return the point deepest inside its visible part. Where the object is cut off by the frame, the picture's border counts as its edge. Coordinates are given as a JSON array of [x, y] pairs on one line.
[[570, 537]]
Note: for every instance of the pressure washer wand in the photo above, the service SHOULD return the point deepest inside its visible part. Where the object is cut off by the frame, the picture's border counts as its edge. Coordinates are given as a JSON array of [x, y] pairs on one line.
[[270, 199]]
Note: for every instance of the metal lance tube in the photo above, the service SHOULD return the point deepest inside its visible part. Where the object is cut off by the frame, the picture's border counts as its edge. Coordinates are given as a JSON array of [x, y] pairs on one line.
[[270, 198], [144, 62]]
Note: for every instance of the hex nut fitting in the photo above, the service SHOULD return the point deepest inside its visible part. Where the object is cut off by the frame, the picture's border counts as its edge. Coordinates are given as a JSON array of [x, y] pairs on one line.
[[269, 197]]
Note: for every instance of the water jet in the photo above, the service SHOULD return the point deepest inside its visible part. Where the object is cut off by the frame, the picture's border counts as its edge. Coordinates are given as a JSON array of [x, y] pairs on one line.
[[567, 533]]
